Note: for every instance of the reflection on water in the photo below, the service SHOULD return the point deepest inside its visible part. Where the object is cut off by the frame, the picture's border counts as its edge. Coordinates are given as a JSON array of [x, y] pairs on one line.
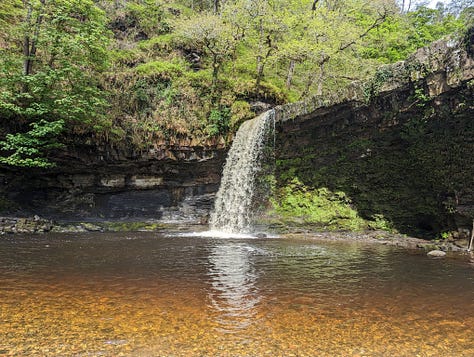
[[234, 293], [146, 294]]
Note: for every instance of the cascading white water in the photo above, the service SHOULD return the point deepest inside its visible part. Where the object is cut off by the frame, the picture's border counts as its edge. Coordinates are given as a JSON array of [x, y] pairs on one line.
[[232, 208]]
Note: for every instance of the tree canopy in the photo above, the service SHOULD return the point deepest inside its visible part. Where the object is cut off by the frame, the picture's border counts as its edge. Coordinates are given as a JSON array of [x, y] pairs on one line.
[[52, 54], [153, 72]]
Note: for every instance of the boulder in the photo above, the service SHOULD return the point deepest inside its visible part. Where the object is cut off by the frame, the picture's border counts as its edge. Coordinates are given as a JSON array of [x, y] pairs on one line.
[[436, 254]]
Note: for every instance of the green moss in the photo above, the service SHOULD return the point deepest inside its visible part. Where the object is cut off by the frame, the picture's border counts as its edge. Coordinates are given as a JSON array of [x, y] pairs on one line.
[[240, 111], [132, 226], [125, 57], [409, 174], [296, 203], [199, 79], [161, 69], [157, 43]]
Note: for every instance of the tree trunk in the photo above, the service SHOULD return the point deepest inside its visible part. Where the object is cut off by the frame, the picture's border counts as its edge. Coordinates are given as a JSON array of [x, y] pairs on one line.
[[30, 43], [216, 6], [324, 59], [26, 39], [259, 55], [307, 87], [262, 60]]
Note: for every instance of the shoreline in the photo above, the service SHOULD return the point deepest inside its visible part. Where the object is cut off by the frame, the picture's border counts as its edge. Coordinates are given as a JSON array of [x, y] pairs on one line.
[[451, 248], [38, 225]]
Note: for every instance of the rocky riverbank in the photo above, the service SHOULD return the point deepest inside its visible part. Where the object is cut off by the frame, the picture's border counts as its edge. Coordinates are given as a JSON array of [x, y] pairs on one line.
[[385, 238], [35, 224], [38, 225]]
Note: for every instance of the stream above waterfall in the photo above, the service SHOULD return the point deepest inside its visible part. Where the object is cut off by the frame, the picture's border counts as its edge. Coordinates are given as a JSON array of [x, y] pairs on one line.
[[175, 294]]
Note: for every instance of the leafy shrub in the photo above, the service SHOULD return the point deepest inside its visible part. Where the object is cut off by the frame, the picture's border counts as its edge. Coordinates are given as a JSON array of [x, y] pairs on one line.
[[218, 122]]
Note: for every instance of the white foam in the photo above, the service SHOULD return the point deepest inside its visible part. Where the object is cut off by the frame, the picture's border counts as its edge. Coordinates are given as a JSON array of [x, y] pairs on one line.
[[222, 235]]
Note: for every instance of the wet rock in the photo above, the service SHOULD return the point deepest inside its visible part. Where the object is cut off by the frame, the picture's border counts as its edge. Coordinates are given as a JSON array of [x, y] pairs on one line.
[[261, 235], [260, 107], [91, 227], [34, 224], [436, 254], [116, 181], [462, 243], [428, 246], [145, 181]]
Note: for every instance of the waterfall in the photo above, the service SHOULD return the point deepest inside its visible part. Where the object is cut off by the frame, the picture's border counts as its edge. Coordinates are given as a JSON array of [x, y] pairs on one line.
[[232, 208]]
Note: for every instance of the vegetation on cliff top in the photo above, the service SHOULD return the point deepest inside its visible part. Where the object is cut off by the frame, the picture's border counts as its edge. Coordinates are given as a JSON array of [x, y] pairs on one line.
[[149, 73]]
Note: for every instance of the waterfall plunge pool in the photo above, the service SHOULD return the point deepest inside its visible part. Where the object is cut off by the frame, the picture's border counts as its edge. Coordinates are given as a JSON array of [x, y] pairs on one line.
[[153, 294]]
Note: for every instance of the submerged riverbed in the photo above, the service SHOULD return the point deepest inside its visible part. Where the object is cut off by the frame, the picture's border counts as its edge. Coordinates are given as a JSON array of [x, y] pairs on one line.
[[154, 294]]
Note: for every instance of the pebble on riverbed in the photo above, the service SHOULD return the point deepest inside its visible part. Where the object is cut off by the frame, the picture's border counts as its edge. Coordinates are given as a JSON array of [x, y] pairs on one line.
[[436, 254]]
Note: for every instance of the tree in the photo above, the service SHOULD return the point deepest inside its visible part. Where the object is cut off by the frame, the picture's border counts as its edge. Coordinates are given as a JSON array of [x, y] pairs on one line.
[[213, 36], [48, 80], [263, 29]]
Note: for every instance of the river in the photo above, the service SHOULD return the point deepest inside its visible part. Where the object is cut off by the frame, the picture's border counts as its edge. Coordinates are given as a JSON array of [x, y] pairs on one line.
[[174, 294]]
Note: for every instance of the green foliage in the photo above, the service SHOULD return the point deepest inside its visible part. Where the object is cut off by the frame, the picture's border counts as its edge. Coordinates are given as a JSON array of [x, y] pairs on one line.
[[179, 70], [218, 122], [54, 89], [373, 87], [28, 149], [379, 222], [239, 112], [402, 34], [320, 207], [9, 11], [430, 25], [160, 69], [420, 97], [163, 43], [445, 235], [149, 16]]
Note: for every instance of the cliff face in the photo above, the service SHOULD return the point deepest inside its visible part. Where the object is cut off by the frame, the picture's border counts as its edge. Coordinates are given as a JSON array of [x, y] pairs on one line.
[[400, 146], [170, 184]]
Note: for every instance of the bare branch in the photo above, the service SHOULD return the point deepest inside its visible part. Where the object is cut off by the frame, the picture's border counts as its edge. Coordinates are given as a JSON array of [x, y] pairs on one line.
[[376, 24]]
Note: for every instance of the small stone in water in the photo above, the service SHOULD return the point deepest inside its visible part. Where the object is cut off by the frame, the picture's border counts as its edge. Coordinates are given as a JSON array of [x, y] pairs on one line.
[[436, 253], [261, 235]]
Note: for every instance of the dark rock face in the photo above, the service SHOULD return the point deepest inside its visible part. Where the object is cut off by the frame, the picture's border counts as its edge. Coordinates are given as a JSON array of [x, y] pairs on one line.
[[87, 187], [406, 153]]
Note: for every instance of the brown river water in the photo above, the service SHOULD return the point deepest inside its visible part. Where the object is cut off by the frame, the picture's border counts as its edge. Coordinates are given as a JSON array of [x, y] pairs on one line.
[[155, 294]]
